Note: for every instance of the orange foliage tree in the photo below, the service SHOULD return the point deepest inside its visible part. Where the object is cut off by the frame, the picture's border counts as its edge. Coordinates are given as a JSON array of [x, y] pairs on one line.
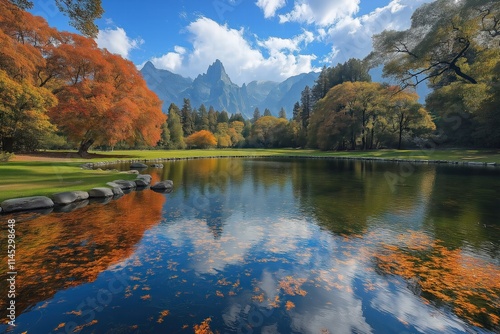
[[201, 139], [23, 104], [102, 98]]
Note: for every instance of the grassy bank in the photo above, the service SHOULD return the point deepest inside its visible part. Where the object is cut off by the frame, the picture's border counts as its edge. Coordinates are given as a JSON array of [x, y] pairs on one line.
[[34, 178], [55, 171]]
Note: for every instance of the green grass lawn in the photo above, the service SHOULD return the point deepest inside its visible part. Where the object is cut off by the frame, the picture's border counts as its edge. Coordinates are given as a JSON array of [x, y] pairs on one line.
[[30, 178], [20, 179]]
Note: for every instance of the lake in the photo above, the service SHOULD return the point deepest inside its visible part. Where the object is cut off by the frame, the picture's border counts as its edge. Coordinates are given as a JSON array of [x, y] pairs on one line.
[[269, 246]]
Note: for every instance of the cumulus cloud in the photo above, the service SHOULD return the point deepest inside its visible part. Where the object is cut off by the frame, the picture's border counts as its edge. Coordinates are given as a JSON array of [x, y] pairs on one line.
[[116, 41], [171, 61], [270, 6], [352, 36], [320, 12], [243, 56]]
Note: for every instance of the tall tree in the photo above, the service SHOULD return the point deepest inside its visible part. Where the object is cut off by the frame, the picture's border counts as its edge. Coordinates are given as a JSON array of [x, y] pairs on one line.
[[256, 115], [282, 113], [223, 117], [175, 127], [297, 112], [201, 122], [187, 118], [306, 106], [267, 112], [212, 119]]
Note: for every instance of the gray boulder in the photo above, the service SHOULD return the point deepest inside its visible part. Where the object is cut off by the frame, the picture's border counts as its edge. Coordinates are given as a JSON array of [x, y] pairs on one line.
[[141, 183], [138, 165], [163, 185], [145, 177], [117, 192], [69, 197], [27, 203], [100, 193], [123, 184]]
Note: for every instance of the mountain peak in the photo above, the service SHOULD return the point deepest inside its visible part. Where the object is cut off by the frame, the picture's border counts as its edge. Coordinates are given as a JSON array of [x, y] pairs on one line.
[[217, 72], [148, 65]]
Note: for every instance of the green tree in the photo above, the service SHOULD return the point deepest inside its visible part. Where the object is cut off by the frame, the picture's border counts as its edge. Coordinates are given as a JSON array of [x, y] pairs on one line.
[[306, 106], [282, 113], [297, 112], [444, 38], [187, 118], [201, 121], [212, 119], [175, 128], [256, 115], [267, 112], [223, 117]]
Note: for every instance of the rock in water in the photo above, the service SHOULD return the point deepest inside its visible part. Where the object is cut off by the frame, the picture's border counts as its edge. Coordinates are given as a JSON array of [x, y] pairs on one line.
[[100, 193], [163, 186], [69, 197], [27, 203]]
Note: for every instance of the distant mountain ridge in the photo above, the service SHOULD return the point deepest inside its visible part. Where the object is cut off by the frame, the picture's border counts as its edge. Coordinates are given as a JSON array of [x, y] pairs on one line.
[[215, 88]]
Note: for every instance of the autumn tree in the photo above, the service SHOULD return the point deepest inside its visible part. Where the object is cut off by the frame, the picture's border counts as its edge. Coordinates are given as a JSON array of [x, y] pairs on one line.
[[406, 115], [24, 40], [269, 131], [357, 114], [103, 99], [235, 131], [202, 139]]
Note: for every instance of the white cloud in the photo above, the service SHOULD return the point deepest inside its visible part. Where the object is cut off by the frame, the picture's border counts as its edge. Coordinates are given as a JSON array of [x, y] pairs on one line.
[[320, 12], [117, 41], [270, 6], [243, 59], [351, 37], [277, 44]]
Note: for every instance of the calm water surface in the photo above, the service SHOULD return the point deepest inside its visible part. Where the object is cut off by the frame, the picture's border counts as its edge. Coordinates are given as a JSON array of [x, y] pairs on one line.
[[269, 246]]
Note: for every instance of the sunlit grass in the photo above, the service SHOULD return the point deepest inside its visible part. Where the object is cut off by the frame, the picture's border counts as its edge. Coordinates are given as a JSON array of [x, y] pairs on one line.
[[20, 179]]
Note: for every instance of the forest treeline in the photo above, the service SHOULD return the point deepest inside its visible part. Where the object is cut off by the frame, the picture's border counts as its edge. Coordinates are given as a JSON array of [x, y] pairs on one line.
[[59, 90]]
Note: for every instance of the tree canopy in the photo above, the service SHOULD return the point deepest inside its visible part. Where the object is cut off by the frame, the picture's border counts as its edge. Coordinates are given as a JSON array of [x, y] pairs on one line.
[[82, 13], [443, 41], [63, 79]]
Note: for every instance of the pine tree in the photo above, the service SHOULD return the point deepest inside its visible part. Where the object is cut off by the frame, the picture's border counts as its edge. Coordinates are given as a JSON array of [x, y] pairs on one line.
[[256, 115], [282, 113], [187, 118], [175, 127]]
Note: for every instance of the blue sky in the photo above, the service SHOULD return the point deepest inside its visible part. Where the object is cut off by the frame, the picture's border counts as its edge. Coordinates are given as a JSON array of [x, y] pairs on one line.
[[255, 39]]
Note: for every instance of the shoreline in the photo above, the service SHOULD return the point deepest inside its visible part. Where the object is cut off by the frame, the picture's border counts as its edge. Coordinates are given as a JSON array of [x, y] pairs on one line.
[[100, 164]]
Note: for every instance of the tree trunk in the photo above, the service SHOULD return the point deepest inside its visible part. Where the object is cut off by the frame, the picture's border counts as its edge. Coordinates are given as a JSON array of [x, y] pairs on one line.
[[84, 147], [8, 144]]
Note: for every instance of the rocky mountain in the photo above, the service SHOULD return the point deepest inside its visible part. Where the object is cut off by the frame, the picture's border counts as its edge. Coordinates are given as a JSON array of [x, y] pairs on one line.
[[215, 88]]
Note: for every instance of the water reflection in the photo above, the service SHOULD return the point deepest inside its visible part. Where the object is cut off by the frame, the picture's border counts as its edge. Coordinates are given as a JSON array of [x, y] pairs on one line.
[[276, 247], [62, 250]]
